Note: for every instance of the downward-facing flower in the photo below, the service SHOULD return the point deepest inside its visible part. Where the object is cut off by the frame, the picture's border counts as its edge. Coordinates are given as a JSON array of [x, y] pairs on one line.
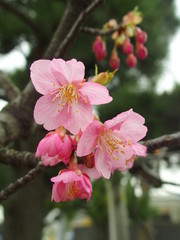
[[54, 148], [67, 99], [114, 142], [71, 184]]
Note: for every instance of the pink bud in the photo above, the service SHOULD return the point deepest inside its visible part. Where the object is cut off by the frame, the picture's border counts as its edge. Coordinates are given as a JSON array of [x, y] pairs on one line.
[[131, 60], [127, 47], [141, 36], [114, 60], [99, 48], [89, 160], [141, 51]]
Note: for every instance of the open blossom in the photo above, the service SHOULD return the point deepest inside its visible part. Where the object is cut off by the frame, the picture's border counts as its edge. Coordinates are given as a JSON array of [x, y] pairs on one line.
[[54, 148], [67, 99], [114, 142], [71, 184]]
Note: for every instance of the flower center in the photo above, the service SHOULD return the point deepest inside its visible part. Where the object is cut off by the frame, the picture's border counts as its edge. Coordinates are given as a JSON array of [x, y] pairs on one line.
[[112, 144], [72, 190], [68, 94]]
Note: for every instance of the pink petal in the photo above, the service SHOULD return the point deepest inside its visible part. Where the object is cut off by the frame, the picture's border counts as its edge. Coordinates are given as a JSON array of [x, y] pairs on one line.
[[70, 71], [116, 122], [139, 149], [134, 130], [101, 164], [89, 138], [81, 115], [96, 93], [46, 112], [91, 172], [42, 77]]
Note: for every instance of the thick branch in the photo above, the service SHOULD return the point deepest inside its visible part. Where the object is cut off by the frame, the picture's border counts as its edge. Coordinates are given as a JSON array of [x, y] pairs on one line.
[[16, 158], [10, 90], [163, 141], [21, 182], [16, 10]]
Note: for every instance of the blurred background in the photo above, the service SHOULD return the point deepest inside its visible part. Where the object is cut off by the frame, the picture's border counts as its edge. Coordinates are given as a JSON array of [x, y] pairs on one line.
[[126, 207]]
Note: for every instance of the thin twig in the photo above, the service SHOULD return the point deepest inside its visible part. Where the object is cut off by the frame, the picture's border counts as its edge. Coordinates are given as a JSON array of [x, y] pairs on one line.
[[97, 31], [21, 182]]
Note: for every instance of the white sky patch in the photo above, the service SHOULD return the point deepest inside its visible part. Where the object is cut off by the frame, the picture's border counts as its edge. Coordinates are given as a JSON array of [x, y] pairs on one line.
[[15, 59]]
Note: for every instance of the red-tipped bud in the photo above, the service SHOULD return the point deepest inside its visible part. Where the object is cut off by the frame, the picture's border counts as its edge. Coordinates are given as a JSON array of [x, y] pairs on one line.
[[114, 60], [141, 36], [127, 47], [131, 60], [141, 51], [99, 48], [89, 160]]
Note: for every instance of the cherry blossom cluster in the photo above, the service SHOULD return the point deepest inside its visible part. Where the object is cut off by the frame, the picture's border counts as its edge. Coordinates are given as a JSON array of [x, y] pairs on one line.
[[86, 147], [122, 35]]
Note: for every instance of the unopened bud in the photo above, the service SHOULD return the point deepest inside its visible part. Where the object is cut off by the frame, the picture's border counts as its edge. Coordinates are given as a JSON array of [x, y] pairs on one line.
[[127, 47], [131, 60], [141, 51], [104, 78], [114, 60], [89, 160], [141, 36], [99, 48]]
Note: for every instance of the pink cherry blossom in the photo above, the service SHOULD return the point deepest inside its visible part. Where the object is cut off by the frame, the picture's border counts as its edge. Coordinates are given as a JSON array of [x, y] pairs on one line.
[[54, 148], [71, 184], [114, 142], [67, 99]]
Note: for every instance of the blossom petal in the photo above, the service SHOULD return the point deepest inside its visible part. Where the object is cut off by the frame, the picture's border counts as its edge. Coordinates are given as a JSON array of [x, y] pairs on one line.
[[115, 123], [42, 78], [96, 93], [139, 149], [46, 112], [89, 138], [101, 164], [70, 71], [80, 116]]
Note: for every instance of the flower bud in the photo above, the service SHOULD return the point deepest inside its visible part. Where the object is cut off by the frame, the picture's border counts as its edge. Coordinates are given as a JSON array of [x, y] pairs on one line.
[[131, 60], [104, 78], [141, 51], [99, 48], [141, 36], [127, 47], [114, 60], [89, 160]]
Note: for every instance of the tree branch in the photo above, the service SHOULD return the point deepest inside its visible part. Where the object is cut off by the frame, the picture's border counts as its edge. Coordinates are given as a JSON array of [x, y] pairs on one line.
[[163, 141], [21, 182], [11, 91], [16, 10], [16, 158], [76, 28]]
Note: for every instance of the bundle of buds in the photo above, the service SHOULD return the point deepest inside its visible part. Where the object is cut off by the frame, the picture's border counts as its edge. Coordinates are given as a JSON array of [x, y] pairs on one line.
[[122, 36]]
